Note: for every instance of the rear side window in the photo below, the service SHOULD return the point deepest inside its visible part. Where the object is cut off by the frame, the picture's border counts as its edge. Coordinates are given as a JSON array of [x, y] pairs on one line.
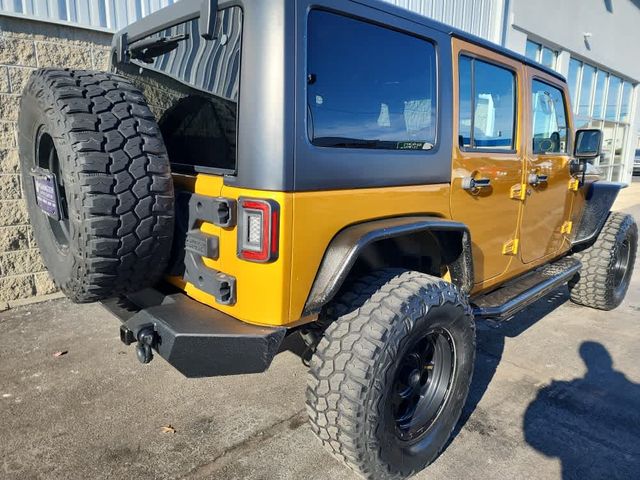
[[487, 105], [549, 119], [369, 86]]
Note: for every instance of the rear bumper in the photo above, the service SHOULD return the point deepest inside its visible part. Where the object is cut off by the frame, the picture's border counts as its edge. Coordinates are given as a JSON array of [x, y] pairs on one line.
[[199, 341]]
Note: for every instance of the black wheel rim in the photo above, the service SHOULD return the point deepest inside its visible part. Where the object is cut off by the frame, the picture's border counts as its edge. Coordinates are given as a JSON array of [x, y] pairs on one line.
[[621, 265], [422, 383], [47, 159]]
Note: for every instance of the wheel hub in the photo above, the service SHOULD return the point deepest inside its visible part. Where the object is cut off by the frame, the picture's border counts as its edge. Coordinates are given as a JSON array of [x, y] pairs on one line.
[[422, 383], [621, 263]]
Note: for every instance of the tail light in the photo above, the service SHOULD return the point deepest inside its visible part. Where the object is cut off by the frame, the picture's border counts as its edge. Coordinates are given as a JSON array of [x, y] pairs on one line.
[[258, 223]]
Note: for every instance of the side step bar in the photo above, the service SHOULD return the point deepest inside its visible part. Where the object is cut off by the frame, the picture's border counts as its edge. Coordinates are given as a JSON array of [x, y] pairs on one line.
[[513, 296]]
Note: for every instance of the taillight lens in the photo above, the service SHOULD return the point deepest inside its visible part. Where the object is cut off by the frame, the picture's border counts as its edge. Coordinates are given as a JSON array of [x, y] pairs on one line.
[[258, 223]]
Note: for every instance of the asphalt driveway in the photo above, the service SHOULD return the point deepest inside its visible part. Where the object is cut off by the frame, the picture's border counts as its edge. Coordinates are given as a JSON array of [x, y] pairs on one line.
[[556, 394]]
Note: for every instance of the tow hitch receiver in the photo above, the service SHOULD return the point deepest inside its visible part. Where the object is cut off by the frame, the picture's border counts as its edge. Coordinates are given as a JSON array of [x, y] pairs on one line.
[[197, 340]]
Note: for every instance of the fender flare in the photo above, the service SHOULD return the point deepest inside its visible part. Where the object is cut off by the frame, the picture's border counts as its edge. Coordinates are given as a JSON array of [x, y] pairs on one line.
[[599, 199], [345, 247]]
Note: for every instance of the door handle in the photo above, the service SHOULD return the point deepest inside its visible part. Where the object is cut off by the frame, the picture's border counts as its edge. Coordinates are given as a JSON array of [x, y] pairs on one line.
[[474, 184], [536, 179]]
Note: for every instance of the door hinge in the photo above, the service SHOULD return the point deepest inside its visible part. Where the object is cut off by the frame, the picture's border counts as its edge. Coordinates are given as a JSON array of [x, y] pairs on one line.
[[566, 227], [518, 192], [574, 184], [510, 247]]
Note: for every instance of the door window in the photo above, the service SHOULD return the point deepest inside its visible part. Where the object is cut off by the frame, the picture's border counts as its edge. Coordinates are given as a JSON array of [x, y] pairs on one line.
[[548, 119], [487, 105]]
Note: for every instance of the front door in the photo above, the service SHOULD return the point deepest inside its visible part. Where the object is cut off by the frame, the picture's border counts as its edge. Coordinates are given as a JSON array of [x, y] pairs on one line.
[[487, 155], [547, 206]]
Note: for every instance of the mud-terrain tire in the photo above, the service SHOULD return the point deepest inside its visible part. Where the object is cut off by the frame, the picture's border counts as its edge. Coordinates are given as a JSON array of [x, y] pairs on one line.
[[95, 131], [607, 265], [379, 353]]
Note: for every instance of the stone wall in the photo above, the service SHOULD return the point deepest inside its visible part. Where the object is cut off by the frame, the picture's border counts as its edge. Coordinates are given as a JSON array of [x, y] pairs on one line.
[[25, 45]]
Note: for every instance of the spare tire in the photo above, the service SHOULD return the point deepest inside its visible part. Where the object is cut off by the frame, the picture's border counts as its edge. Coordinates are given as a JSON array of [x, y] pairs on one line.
[[104, 213]]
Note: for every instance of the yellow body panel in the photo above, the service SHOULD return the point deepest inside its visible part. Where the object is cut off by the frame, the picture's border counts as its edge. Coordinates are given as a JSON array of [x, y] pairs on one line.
[[318, 216], [548, 206], [512, 217], [262, 288], [275, 293], [491, 214]]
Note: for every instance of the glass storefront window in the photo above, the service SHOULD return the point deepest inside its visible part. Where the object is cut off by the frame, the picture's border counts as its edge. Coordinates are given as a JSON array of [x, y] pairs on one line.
[[613, 96], [615, 173], [582, 122], [531, 50], [572, 80], [625, 107], [598, 97], [584, 105], [548, 57], [608, 134], [541, 54], [618, 145]]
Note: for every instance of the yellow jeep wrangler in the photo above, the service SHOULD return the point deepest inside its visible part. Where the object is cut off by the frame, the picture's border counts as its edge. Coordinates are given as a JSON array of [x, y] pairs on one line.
[[345, 170]]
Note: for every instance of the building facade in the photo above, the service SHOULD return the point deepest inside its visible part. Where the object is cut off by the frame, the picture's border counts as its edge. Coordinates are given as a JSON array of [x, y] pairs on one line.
[[594, 43]]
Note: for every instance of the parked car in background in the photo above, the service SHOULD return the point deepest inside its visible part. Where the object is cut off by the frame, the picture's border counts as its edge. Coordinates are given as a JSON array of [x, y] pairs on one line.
[[636, 162]]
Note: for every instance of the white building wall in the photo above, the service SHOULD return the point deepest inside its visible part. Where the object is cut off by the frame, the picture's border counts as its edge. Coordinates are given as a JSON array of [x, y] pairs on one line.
[[107, 14], [483, 18]]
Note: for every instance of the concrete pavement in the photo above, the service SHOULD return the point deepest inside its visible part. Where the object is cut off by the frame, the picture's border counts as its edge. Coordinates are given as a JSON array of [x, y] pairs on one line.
[[556, 394]]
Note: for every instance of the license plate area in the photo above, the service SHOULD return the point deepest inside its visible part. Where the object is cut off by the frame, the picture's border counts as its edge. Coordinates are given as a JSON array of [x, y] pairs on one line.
[[45, 184]]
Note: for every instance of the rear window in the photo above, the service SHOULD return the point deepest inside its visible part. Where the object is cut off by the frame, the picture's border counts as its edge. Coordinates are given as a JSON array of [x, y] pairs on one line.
[[193, 91], [369, 86]]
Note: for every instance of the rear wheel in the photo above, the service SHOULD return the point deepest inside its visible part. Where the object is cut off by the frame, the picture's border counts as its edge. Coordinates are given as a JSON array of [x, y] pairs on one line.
[[390, 376], [96, 179], [607, 265]]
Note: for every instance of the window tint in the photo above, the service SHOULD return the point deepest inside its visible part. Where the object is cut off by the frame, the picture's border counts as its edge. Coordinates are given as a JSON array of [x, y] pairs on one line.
[[487, 105], [548, 119], [369, 86]]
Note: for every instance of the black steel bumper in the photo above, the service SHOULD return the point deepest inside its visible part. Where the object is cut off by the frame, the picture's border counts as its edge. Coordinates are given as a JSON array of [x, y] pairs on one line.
[[197, 340]]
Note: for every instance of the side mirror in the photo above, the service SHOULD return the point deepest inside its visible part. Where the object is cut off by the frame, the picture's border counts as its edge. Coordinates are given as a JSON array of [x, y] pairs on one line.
[[588, 143]]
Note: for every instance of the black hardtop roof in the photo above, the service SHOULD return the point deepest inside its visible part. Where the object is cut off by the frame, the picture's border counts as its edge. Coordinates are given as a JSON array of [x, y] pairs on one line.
[[189, 9]]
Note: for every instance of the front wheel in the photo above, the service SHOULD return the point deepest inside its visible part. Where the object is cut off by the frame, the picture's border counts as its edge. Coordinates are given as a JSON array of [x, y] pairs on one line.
[[391, 374], [607, 265]]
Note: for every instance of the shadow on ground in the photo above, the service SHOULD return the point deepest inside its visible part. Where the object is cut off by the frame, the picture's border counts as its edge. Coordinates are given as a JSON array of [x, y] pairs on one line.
[[591, 423]]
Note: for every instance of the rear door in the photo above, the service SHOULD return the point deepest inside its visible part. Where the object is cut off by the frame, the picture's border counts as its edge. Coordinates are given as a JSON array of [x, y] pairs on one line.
[[547, 207], [487, 155]]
